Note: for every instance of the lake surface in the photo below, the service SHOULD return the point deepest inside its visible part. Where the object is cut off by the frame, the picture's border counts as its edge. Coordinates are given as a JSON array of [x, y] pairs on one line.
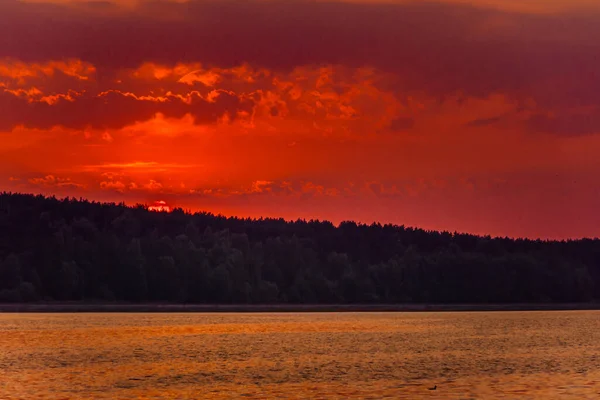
[[499, 355]]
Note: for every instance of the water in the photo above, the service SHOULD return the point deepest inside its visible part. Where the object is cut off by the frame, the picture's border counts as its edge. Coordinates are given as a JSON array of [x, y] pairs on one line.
[[500, 355]]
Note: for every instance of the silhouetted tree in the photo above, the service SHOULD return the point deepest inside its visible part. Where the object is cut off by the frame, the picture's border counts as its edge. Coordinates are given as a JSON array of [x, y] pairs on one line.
[[73, 250]]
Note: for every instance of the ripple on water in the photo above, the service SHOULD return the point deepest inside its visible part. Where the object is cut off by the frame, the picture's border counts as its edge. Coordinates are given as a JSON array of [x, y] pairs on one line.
[[527, 355]]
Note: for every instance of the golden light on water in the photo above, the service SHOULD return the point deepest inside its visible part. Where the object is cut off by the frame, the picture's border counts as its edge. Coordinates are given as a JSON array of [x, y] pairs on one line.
[[534, 355]]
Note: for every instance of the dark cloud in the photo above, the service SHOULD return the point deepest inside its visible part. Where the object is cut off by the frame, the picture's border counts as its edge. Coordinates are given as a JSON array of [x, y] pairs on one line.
[[567, 125], [113, 110], [402, 124], [440, 48], [485, 121]]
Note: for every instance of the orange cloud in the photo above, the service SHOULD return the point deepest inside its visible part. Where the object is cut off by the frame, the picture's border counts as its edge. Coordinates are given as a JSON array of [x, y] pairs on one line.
[[29, 94], [35, 95], [54, 181], [116, 109], [21, 71], [153, 185], [193, 73], [311, 188], [208, 78], [137, 166], [159, 125], [107, 137], [113, 185], [261, 186], [154, 71], [157, 99]]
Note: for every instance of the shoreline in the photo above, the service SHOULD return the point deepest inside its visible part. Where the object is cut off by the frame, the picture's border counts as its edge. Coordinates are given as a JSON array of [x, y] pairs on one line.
[[290, 308]]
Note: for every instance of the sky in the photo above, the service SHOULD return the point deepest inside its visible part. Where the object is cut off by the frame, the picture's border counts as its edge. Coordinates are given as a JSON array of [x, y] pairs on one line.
[[470, 116]]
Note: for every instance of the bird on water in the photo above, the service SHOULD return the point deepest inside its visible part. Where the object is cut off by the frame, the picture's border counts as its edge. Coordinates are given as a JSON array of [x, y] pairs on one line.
[[433, 388]]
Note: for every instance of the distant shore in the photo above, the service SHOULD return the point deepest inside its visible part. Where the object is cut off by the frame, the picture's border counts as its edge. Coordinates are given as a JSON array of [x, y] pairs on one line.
[[225, 308]]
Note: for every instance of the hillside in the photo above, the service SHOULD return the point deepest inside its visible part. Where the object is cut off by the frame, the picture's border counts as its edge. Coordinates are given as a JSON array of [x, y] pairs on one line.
[[73, 250]]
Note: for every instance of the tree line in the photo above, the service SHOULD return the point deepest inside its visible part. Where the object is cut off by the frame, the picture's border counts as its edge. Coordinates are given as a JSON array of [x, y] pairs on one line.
[[77, 250]]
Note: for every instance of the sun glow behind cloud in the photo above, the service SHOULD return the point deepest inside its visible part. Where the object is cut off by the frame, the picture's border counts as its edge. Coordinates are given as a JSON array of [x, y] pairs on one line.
[[160, 206]]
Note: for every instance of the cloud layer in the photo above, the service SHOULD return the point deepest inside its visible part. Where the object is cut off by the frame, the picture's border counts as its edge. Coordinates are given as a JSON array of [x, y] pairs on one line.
[[328, 108]]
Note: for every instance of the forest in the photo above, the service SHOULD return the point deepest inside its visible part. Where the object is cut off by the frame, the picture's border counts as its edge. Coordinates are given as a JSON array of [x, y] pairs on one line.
[[63, 250]]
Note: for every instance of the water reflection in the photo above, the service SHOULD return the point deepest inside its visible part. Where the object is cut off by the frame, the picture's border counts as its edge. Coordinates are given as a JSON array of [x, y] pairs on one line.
[[366, 355]]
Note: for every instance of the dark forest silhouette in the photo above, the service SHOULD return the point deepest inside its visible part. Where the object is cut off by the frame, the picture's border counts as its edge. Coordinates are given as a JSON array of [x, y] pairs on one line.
[[72, 250]]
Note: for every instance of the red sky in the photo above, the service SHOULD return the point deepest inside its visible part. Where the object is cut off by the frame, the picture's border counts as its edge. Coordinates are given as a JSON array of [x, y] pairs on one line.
[[478, 116]]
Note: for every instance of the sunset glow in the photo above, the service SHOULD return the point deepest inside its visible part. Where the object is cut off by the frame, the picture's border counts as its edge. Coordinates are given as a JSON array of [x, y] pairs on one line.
[[477, 116], [160, 206]]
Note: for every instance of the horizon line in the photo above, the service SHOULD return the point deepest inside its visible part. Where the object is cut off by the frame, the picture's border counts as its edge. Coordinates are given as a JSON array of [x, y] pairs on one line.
[[191, 212]]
